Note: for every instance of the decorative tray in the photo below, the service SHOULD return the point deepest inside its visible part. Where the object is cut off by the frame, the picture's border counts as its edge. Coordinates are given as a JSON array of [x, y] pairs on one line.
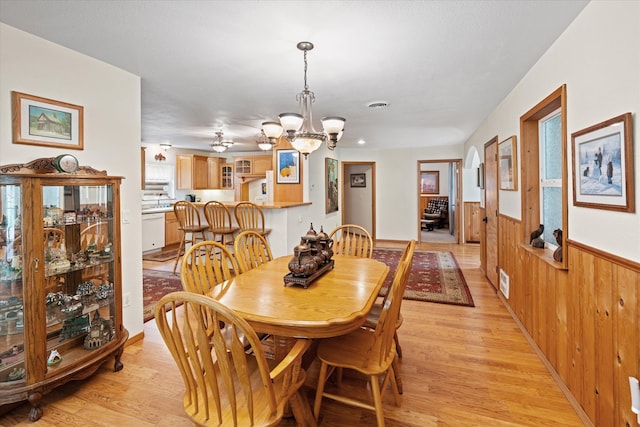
[[290, 279]]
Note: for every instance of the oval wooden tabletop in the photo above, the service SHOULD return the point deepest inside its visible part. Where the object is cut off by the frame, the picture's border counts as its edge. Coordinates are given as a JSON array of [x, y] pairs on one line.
[[334, 304]]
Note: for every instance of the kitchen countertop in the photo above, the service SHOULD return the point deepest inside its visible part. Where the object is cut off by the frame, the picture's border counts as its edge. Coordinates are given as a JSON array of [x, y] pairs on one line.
[[232, 204]]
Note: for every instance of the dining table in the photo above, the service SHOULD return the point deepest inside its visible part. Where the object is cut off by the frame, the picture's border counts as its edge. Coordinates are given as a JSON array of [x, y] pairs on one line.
[[335, 303]]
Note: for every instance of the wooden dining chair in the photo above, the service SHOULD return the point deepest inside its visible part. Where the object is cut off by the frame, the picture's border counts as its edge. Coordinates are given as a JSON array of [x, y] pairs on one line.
[[249, 216], [224, 385], [219, 221], [374, 316], [369, 352], [251, 250], [189, 224], [351, 239], [205, 265]]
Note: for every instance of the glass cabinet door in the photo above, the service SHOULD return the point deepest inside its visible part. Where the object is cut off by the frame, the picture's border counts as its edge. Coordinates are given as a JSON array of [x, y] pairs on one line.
[[79, 270], [12, 366]]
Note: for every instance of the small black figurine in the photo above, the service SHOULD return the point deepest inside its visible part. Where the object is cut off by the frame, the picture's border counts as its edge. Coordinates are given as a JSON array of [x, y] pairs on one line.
[[537, 233], [557, 255]]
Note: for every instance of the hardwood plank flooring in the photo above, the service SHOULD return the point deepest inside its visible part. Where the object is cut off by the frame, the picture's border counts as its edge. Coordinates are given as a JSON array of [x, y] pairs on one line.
[[462, 366]]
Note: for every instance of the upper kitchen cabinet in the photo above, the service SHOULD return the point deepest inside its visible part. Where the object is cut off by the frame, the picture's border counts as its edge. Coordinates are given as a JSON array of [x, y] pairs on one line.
[[249, 166], [194, 172], [226, 176]]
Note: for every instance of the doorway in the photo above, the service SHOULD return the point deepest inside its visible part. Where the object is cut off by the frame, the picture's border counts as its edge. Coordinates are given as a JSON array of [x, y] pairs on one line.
[[439, 191], [359, 195]]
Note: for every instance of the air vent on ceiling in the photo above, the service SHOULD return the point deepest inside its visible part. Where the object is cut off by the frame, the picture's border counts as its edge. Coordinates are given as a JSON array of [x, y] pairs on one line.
[[378, 105]]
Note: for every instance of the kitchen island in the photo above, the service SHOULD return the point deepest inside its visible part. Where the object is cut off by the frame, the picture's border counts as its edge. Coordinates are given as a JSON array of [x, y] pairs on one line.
[[287, 220]]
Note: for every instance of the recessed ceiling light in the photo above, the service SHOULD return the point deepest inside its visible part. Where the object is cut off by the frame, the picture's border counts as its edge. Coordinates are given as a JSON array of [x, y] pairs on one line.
[[361, 141], [378, 104]]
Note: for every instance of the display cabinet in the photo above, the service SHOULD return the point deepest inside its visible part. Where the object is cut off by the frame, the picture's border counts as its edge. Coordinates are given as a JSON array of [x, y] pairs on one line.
[[60, 277]]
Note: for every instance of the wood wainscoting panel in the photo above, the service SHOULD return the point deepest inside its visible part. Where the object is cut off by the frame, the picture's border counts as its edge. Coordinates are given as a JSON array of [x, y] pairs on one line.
[[585, 320]]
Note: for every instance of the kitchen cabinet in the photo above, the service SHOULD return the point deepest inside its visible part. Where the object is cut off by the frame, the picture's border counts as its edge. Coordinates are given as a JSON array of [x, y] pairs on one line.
[[226, 176], [252, 165], [60, 279], [195, 172], [172, 233], [472, 222], [152, 231]]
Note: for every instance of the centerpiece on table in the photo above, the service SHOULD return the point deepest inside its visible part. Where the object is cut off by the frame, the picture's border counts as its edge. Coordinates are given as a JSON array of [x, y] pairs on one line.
[[311, 258]]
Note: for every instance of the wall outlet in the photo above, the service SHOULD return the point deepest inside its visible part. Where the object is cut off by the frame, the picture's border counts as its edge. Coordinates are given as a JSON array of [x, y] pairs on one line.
[[126, 299]]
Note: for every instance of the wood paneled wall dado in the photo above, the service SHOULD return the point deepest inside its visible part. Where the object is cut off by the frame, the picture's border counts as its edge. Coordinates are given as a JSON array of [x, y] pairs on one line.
[[585, 320]]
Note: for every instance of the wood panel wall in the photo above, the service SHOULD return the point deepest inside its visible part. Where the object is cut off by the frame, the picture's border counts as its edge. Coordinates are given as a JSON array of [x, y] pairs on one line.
[[585, 320]]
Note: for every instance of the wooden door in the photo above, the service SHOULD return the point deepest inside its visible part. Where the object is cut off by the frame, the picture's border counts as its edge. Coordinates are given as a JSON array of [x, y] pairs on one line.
[[491, 210]]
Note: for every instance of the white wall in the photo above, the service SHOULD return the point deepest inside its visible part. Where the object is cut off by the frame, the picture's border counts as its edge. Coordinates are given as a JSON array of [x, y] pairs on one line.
[[111, 101], [598, 57]]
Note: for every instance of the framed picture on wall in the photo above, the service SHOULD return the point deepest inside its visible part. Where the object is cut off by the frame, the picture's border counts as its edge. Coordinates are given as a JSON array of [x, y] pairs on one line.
[[331, 172], [603, 165], [508, 173], [480, 177], [358, 180], [430, 182], [287, 167], [46, 122]]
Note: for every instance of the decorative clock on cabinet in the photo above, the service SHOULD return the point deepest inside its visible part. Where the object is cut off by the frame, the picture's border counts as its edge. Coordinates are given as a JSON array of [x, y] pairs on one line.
[[60, 277]]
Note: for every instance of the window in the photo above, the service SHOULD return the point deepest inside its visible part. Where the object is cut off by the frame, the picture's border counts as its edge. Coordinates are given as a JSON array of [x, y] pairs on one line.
[[550, 135], [543, 151]]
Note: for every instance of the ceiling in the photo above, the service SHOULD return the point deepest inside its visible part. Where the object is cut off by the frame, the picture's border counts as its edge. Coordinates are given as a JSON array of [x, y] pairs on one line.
[[441, 66]]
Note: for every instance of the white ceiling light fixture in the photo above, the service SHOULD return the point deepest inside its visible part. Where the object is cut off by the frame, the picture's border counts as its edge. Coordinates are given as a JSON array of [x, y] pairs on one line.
[[299, 126], [265, 143], [218, 145]]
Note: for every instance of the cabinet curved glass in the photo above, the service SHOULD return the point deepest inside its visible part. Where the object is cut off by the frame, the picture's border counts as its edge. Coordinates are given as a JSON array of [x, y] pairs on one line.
[[60, 278]]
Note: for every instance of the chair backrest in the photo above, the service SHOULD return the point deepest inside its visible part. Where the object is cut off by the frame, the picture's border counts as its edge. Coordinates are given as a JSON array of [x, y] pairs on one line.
[[351, 239], [53, 237], [96, 234], [251, 250], [217, 215], [224, 385], [205, 265], [187, 214], [249, 216], [386, 327]]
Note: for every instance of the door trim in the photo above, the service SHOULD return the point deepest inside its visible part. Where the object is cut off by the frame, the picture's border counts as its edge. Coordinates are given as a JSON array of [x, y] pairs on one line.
[[372, 185], [458, 201]]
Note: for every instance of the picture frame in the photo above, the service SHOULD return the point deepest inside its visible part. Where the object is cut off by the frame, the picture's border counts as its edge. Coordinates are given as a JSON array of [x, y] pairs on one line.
[[47, 122], [602, 158], [429, 182], [507, 164], [358, 180], [331, 192], [480, 177], [287, 166]]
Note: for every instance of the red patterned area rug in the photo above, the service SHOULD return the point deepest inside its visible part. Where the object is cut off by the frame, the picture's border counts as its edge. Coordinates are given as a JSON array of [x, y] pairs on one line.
[[155, 285], [435, 277]]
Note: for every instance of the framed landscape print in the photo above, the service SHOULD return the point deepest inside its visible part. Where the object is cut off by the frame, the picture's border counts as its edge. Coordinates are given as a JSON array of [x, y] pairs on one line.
[[603, 174], [430, 182], [507, 171], [287, 167], [45, 122], [331, 172]]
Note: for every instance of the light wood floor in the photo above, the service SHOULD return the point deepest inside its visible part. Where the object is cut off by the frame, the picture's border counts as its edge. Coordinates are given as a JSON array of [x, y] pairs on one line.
[[462, 367]]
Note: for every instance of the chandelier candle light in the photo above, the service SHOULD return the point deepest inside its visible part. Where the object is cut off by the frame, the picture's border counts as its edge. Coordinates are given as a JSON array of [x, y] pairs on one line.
[[299, 127]]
